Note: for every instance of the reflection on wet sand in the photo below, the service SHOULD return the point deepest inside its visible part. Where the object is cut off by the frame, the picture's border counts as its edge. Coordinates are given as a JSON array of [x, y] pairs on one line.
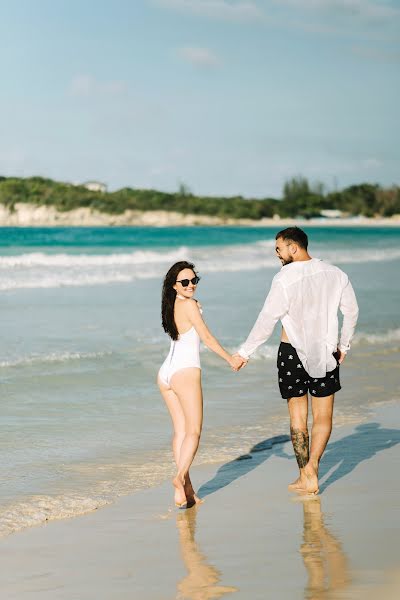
[[324, 559], [201, 582]]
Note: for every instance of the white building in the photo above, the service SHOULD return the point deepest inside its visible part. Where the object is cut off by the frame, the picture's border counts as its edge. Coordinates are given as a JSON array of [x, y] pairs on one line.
[[331, 213], [95, 186]]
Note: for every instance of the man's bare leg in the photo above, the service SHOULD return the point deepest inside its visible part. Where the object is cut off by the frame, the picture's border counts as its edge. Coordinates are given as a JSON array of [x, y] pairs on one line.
[[322, 410], [298, 411]]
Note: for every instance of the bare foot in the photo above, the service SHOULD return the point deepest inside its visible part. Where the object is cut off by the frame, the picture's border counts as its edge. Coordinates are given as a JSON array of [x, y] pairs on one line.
[[179, 496], [309, 480], [293, 487], [191, 496]]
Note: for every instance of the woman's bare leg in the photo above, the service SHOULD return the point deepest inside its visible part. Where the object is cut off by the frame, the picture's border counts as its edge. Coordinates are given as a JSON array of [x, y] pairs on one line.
[[177, 417], [187, 386], [178, 421]]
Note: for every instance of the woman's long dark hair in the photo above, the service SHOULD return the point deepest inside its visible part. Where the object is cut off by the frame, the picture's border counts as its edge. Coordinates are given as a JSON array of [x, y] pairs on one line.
[[169, 295]]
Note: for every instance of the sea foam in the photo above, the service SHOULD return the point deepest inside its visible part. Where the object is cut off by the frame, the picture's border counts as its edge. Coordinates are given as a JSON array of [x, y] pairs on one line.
[[41, 270], [55, 357]]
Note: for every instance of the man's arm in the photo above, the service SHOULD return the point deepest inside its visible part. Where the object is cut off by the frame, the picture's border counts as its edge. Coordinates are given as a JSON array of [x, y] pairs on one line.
[[275, 307], [349, 308]]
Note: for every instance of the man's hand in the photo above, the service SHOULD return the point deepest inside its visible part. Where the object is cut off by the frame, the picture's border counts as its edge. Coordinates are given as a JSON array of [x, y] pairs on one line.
[[238, 362], [341, 356]]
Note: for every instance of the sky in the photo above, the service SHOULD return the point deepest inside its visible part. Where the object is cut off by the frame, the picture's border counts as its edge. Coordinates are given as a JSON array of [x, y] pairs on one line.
[[228, 97]]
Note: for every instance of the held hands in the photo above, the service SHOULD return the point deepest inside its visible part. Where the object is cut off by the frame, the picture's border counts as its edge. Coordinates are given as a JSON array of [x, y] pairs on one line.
[[237, 362]]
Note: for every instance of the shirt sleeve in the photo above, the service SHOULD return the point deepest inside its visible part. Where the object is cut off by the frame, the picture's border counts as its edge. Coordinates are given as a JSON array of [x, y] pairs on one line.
[[349, 308], [275, 307]]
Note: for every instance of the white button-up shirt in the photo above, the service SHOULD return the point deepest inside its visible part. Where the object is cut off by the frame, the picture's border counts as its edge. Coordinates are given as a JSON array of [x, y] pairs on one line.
[[305, 296]]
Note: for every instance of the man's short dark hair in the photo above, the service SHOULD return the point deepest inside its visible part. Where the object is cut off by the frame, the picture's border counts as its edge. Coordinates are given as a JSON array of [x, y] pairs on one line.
[[294, 234]]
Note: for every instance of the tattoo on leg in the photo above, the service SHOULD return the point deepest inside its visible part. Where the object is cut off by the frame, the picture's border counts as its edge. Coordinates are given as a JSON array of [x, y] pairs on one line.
[[300, 441]]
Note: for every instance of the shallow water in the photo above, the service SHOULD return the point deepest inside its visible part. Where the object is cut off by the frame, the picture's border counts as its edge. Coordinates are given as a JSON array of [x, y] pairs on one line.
[[82, 342]]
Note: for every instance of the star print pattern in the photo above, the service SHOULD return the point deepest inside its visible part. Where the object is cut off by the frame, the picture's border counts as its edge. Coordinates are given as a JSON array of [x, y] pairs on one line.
[[299, 383]]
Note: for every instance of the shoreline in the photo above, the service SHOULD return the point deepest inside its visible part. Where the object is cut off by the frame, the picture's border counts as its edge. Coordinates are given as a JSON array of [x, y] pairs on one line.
[[249, 530], [29, 215], [123, 475]]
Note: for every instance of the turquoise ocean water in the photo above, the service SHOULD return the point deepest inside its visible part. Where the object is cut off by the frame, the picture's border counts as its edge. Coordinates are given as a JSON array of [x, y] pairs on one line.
[[81, 344]]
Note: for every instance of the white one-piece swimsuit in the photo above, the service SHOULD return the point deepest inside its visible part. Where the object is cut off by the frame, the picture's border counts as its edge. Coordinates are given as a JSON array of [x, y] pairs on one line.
[[183, 354]]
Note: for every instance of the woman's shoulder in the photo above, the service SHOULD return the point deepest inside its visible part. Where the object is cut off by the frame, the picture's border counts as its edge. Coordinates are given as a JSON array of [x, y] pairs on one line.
[[192, 304]]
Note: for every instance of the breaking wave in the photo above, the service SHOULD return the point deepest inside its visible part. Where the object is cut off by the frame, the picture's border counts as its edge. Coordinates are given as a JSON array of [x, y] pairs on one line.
[[41, 270]]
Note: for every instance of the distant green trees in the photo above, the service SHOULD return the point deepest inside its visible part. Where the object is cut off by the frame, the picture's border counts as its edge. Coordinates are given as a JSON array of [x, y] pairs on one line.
[[305, 200], [300, 199]]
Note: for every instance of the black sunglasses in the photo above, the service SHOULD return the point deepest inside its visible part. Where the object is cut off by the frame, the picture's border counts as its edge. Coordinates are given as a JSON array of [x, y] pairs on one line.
[[185, 282]]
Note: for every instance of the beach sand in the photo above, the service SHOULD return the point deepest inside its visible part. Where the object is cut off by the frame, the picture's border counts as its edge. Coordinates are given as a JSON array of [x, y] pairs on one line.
[[250, 539], [30, 215]]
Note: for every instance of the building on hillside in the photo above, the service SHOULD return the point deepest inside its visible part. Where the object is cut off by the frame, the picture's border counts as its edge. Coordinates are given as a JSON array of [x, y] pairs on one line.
[[331, 214], [95, 186]]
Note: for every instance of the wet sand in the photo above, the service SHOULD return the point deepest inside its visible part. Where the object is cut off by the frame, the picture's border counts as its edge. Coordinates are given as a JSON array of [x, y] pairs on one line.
[[251, 539]]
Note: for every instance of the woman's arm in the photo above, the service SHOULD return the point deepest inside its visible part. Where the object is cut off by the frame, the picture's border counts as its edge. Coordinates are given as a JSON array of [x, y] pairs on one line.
[[194, 316]]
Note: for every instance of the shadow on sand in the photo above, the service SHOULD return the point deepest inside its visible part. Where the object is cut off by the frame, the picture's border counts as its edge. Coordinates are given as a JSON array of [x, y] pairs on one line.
[[243, 464], [342, 456], [346, 454]]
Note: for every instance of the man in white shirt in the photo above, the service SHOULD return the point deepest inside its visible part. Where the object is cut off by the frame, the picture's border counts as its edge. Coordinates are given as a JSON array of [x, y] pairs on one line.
[[305, 296]]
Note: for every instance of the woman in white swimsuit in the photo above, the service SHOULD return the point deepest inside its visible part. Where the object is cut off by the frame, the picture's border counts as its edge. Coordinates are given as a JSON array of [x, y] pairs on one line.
[[179, 378]]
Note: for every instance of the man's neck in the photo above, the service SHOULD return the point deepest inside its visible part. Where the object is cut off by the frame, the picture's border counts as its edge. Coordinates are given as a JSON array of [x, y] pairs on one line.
[[302, 257]]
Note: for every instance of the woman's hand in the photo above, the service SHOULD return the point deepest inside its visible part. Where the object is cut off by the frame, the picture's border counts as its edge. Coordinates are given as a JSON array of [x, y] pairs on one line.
[[237, 362]]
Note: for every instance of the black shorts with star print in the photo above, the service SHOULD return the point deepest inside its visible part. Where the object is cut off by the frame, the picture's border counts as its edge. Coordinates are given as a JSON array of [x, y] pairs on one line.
[[294, 381]]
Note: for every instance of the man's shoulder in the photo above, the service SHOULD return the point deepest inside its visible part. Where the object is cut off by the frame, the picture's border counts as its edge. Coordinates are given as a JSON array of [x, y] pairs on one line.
[[324, 266], [333, 274], [279, 277], [295, 271]]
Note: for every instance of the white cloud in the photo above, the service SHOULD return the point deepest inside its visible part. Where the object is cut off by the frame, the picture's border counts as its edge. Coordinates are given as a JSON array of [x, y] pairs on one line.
[[86, 85], [367, 9], [199, 57], [226, 10], [81, 85], [371, 20]]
